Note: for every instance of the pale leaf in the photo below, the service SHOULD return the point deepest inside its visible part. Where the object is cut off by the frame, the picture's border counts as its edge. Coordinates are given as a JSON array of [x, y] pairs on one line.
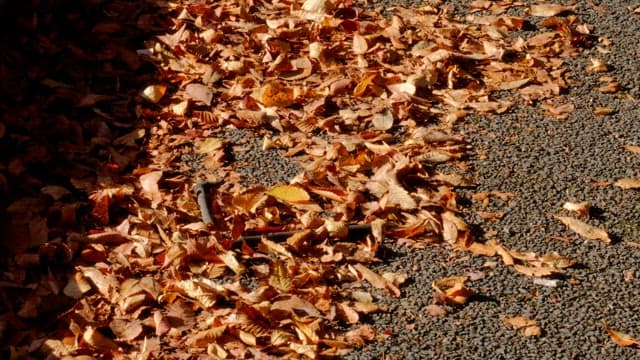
[[628, 183], [359, 44], [199, 92], [94, 338], [150, 190], [582, 208], [376, 280], [546, 10], [383, 121], [584, 229]]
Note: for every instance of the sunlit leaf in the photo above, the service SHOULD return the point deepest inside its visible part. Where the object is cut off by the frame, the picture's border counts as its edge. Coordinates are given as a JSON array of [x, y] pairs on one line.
[[582, 208], [154, 93], [199, 92], [620, 338], [628, 183], [546, 10], [150, 189], [584, 229], [290, 193]]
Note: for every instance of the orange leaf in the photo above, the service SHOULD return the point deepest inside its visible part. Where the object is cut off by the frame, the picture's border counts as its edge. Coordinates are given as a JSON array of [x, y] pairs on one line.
[[628, 183], [363, 85], [621, 339]]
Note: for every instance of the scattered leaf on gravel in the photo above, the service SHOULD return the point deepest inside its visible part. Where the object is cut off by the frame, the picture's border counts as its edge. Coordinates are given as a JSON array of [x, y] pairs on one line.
[[452, 290], [621, 339], [585, 230], [634, 149], [524, 325], [547, 10], [581, 208], [628, 183]]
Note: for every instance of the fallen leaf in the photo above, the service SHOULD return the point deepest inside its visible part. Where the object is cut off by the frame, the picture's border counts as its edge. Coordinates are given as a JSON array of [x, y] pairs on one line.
[[546, 10], [525, 326], [452, 290], [199, 92], [97, 340], [584, 229], [597, 66], [621, 339], [150, 190], [628, 183], [634, 149], [153, 93], [377, 280], [290, 193], [383, 121], [582, 208], [360, 46]]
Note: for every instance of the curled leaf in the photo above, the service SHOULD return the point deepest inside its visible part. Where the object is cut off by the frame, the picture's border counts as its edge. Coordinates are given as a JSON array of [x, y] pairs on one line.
[[584, 229], [582, 208], [621, 339]]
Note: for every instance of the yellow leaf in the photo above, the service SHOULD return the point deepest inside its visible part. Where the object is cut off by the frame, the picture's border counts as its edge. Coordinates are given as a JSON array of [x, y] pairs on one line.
[[290, 194], [210, 145], [154, 93], [584, 229]]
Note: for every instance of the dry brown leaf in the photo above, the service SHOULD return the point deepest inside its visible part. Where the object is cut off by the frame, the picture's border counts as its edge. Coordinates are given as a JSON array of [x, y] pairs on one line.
[[452, 290], [547, 10], [535, 271], [584, 229], [582, 208], [524, 325], [628, 183], [621, 339], [97, 340], [199, 92], [376, 280], [597, 66], [634, 149], [149, 183]]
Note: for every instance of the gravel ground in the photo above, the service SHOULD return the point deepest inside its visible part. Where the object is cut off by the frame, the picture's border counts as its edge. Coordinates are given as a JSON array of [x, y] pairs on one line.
[[544, 162]]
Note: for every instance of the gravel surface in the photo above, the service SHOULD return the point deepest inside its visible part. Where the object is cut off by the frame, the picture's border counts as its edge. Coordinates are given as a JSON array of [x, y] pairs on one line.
[[544, 162]]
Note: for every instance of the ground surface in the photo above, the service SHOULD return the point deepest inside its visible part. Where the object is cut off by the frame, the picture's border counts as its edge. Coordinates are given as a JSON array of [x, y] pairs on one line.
[[541, 160]]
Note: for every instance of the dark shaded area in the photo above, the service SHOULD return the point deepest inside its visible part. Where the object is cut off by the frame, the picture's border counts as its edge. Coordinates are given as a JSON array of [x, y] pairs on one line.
[[69, 83]]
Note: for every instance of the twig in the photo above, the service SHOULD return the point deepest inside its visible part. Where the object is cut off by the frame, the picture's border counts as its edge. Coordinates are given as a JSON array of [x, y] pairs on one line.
[[201, 197], [281, 235]]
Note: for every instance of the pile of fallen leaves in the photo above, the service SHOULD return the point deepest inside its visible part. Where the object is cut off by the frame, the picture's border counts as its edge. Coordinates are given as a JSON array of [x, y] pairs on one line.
[[367, 104]]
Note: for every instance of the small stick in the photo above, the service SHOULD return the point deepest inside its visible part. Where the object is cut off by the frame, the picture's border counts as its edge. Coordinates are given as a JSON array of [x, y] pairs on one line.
[[201, 197], [281, 235]]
